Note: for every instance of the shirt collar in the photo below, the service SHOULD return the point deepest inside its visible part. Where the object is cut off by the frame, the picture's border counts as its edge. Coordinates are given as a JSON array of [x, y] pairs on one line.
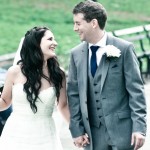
[[101, 43]]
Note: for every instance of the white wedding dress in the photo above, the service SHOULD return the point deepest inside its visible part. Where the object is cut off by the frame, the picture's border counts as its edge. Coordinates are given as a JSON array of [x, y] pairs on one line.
[[25, 130]]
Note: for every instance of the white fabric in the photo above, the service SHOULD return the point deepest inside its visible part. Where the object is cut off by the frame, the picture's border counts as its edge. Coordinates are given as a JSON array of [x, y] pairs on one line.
[[17, 56], [25, 130], [100, 51]]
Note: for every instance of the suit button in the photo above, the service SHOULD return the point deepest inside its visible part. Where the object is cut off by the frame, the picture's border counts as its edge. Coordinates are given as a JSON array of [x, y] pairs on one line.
[[97, 100], [87, 118], [98, 108], [96, 92], [95, 84]]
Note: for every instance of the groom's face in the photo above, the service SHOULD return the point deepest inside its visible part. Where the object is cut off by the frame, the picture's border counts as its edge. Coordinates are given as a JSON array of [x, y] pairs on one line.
[[82, 27]]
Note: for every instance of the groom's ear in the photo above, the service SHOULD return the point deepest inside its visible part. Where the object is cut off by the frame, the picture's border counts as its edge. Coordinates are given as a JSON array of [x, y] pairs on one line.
[[94, 23]]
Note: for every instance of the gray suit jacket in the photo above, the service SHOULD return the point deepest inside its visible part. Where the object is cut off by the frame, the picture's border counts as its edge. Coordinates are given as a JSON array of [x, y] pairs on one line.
[[122, 93]]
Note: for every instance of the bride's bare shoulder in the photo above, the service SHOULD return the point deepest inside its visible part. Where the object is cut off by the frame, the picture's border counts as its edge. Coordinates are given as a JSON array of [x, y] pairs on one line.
[[14, 70]]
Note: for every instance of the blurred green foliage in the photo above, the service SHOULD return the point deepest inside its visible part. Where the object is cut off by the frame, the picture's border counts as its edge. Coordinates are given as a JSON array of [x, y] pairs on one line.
[[17, 16]]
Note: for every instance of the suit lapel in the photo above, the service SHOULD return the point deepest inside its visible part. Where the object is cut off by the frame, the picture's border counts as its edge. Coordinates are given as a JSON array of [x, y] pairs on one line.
[[105, 66], [84, 65], [105, 62]]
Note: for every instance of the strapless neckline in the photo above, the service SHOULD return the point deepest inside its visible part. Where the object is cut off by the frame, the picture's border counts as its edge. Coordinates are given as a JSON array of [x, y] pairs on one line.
[[21, 84], [27, 130]]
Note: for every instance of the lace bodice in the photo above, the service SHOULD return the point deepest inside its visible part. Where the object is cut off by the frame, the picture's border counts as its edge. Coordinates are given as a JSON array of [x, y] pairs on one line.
[[26, 130], [45, 104]]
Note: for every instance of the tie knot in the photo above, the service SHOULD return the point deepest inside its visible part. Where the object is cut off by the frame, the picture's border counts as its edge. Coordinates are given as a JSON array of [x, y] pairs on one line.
[[94, 48]]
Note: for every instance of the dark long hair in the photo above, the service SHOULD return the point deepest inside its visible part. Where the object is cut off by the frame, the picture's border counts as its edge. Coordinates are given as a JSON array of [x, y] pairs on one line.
[[32, 61]]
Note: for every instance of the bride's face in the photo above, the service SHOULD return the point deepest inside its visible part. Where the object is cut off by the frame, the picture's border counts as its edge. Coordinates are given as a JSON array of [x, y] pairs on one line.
[[48, 45]]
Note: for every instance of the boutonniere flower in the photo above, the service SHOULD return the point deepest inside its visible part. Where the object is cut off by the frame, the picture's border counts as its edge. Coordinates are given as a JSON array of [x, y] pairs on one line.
[[112, 51]]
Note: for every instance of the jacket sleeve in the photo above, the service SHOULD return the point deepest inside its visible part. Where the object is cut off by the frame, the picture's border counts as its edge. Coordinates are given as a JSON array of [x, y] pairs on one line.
[[135, 88], [76, 124]]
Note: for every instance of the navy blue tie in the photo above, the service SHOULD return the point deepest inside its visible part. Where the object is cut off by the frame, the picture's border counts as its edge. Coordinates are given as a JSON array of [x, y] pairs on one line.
[[93, 62]]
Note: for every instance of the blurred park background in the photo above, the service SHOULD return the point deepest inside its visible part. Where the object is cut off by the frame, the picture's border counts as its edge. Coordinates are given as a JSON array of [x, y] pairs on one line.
[[17, 16]]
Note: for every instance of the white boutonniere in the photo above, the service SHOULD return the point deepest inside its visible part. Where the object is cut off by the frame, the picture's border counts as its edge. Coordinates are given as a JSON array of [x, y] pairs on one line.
[[112, 51]]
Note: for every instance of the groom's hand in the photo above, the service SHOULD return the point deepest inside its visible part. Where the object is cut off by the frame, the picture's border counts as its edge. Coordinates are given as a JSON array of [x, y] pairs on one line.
[[81, 141], [137, 140]]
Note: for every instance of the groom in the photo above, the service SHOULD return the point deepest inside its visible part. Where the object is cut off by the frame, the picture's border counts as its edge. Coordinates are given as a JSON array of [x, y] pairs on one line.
[[105, 89]]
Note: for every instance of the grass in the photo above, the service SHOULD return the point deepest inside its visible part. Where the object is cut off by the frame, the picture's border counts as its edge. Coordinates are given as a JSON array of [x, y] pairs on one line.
[[18, 16]]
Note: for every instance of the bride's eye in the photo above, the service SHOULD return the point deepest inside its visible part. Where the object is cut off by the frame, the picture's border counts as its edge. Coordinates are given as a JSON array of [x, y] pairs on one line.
[[50, 39]]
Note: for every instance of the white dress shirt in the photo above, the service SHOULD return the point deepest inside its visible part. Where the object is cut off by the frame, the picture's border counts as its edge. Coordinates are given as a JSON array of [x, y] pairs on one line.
[[100, 51]]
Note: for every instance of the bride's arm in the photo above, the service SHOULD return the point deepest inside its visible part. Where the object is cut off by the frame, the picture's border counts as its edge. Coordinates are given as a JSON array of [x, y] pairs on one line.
[[63, 104], [6, 96]]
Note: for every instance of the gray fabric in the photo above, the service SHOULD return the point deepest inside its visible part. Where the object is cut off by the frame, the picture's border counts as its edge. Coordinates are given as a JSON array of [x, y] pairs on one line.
[[121, 94], [95, 111], [100, 138]]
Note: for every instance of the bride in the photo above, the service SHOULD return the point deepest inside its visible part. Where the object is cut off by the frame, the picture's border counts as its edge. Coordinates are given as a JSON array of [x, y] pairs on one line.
[[32, 87]]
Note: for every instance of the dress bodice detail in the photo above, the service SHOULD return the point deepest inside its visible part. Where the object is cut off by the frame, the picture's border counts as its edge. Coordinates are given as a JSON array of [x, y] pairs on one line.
[[26, 130], [45, 103]]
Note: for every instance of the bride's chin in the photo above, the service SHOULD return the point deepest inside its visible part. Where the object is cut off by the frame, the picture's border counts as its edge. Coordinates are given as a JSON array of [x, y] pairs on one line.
[[52, 56]]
